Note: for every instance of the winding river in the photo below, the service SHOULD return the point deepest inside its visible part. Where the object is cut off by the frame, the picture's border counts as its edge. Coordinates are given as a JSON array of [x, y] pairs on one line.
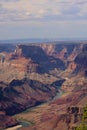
[[27, 124], [59, 94]]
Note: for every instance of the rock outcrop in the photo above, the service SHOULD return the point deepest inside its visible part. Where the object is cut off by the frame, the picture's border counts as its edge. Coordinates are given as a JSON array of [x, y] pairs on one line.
[[63, 51], [67, 62], [21, 94], [35, 59], [42, 58], [6, 121], [81, 61], [46, 57]]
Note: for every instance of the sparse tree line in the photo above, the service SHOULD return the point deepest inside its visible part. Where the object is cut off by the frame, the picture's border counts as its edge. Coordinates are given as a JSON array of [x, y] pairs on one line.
[[83, 125]]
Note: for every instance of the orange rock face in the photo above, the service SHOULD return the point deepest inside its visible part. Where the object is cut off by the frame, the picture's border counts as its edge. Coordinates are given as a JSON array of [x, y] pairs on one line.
[[18, 61], [72, 66], [68, 61]]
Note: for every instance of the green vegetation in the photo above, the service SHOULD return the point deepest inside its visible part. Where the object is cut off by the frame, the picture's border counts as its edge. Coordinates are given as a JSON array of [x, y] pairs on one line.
[[83, 126], [85, 114]]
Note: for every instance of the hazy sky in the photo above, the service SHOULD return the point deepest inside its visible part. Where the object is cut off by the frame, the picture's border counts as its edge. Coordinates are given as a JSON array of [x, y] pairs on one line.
[[43, 19]]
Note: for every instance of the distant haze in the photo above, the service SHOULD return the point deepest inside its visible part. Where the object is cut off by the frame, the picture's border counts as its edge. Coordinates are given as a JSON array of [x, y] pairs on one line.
[[47, 41]]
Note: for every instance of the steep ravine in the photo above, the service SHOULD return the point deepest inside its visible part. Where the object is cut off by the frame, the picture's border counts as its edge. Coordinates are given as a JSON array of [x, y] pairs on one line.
[[20, 95], [48, 63], [26, 124]]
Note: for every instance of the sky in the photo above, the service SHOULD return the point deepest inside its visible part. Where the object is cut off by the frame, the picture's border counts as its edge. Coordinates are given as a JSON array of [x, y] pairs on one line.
[[43, 19]]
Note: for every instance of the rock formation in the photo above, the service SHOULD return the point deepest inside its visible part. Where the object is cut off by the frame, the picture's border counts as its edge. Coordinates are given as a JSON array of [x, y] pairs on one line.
[[6, 121], [35, 59], [21, 94], [81, 61], [64, 64]]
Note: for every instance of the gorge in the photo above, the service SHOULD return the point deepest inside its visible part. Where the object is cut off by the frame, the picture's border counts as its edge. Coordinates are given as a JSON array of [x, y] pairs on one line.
[[29, 76]]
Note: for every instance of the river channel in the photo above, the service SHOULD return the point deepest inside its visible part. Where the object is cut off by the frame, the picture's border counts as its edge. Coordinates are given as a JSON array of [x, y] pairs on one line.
[[24, 123]]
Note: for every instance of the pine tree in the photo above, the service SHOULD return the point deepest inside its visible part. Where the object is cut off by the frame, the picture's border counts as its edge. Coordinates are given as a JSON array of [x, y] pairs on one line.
[[84, 114], [83, 126]]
